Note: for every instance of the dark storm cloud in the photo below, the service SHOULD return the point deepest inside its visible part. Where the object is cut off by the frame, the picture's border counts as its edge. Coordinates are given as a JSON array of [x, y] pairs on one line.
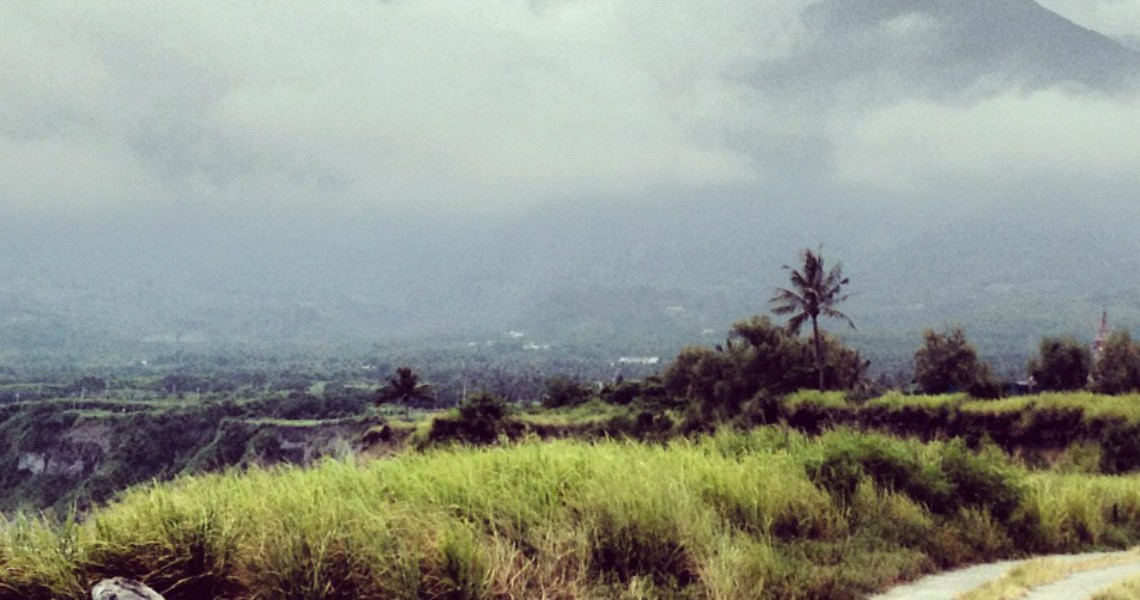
[[506, 104]]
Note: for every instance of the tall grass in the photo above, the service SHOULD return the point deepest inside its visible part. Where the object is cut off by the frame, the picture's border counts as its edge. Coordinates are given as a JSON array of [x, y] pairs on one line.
[[816, 398], [733, 515], [1091, 406], [898, 401], [1127, 589]]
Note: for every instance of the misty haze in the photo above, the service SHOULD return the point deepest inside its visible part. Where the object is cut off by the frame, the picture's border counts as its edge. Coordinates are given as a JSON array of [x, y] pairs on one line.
[[208, 178], [488, 299]]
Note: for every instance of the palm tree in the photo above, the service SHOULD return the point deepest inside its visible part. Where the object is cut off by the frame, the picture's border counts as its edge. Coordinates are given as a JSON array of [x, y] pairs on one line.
[[814, 292], [404, 388]]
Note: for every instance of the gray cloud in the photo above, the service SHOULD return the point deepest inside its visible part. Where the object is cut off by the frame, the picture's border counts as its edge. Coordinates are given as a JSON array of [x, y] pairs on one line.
[[493, 105], [1053, 137], [457, 103]]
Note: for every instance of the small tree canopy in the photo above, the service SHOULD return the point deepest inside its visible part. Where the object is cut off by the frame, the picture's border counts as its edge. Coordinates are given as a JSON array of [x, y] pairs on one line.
[[1117, 369], [563, 391], [404, 388], [947, 362], [1063, 363]]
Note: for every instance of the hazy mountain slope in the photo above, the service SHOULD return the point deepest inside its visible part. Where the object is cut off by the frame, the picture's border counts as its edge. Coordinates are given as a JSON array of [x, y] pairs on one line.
[[1011, 267], [881, 49]]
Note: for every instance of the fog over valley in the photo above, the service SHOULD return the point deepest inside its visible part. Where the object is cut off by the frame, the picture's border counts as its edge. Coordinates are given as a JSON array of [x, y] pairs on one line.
[[223, 177]]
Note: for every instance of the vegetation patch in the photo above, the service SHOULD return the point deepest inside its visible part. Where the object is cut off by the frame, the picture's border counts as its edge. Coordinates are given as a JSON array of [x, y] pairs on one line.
[[732, 515], [1129, 589], [1021, 579]]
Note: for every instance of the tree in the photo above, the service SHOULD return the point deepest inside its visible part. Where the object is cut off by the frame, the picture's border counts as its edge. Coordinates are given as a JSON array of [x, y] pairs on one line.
[[484, 407], [404, 388], [1117, 368], [1062, 364], [562, 391], [814, 292], [946, 362], [759, 357]]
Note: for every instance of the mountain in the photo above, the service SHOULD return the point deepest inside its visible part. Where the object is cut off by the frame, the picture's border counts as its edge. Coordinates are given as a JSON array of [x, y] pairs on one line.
[[658, 265], [877, 50]]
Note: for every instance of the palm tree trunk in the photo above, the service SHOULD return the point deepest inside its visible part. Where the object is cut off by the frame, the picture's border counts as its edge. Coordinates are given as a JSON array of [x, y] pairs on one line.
[[818, 351]]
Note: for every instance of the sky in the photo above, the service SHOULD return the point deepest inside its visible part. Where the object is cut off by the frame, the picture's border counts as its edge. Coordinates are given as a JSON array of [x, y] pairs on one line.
[[500, 106], [1116, 18]]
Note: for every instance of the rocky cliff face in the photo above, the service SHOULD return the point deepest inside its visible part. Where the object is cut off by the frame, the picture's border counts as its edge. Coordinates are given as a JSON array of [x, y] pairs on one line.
[[75, 454], [57, 457]]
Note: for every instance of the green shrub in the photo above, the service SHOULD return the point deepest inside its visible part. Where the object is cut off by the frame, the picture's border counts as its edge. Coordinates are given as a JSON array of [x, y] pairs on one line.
[[562, 391], [1117, 369], [646, 392], [885, 462], [1062, 363], [959, 479], [484, 407], [985, 386], [839, 473], [979, 482], [947, 363], [1120, 449], [481, 420]]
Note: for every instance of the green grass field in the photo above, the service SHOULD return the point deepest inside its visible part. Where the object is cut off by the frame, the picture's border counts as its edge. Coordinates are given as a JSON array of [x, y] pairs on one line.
[[763, 514]]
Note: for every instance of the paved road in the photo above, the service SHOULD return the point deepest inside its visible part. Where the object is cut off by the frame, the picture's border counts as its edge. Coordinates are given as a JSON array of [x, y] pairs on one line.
[[1084, 584], [1079, 586], [945, 586]]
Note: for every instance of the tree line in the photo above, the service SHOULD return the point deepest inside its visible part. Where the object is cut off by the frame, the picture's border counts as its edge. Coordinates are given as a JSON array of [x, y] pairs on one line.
[[761, 359]]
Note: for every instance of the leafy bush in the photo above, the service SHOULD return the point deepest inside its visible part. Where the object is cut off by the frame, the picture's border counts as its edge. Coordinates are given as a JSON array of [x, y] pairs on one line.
[[985, 386], [979, 482], [483, 407], [647, 425], [883, 461], [622, 393], [1117, 369], [1120, 449], [948, 363], [562, 391], [960, 479], [481, 420], [839, 473], [1062, 363]]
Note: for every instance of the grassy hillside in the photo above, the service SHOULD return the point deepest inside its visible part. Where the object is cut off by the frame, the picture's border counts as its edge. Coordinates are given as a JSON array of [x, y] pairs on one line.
[[768, 514]]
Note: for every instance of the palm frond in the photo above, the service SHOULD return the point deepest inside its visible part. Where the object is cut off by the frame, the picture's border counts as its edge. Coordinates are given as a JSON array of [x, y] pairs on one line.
[[835, 314], [814, 291], [796, 323]]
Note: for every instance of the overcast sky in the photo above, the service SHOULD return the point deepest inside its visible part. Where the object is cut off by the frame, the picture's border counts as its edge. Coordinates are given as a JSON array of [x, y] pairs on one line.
[[492, 105], [1116, 18]]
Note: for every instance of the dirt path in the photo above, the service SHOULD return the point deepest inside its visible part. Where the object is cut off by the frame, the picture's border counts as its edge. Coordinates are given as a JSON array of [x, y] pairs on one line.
[[1078, 586]]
